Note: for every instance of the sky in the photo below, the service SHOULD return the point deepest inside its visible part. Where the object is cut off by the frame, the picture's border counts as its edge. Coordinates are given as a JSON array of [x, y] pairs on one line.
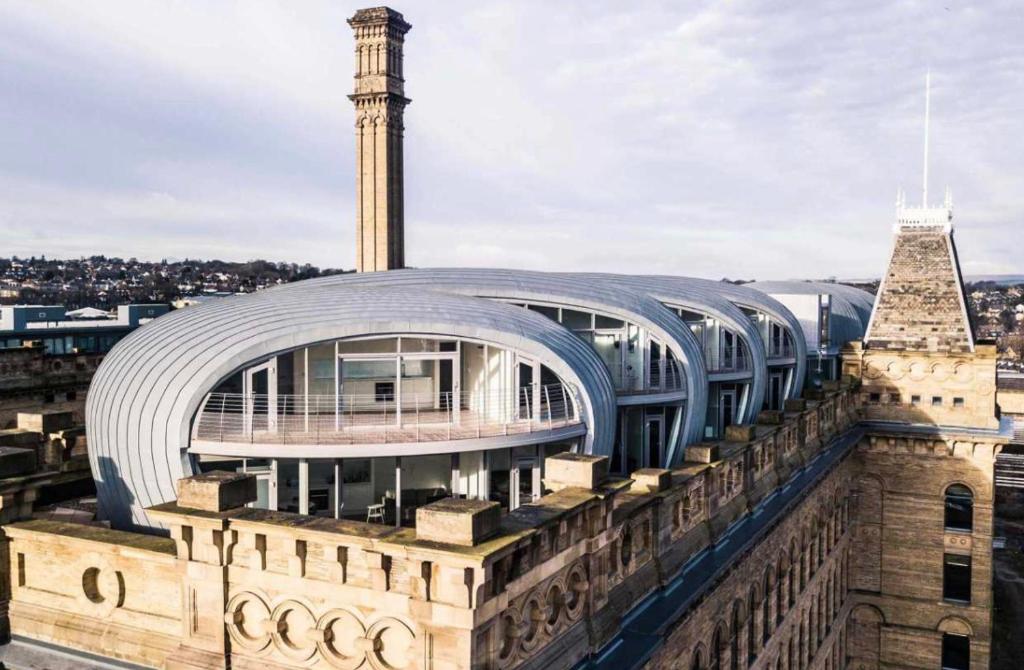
[[718, 139]]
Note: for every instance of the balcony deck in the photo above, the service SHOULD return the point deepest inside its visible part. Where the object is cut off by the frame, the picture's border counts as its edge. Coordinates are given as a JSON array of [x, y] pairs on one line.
[[228, 422]]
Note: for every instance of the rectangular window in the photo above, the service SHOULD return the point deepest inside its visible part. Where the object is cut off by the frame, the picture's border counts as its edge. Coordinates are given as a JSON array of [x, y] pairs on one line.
[[956, 578], [956, 652], [915, 400], [875, 397], [936, 401], [958, 403]]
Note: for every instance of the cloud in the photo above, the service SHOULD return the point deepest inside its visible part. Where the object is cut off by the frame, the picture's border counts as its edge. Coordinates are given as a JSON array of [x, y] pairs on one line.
[[716, 139]]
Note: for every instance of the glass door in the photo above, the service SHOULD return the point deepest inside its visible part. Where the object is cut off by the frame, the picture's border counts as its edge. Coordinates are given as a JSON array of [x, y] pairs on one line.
[[726, 409], [654, 437], [523, 485], [728, 352], [367, 390], [259, 390], [775, 391], [527, 382]]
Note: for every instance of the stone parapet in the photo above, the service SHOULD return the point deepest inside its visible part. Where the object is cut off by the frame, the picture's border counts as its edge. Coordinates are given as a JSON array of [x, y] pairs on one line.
[[939, 388], [545, 585]]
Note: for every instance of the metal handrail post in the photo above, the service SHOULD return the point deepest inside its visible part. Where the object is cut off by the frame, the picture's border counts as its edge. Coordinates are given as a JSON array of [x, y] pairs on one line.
[[223, 402], [547, 398]]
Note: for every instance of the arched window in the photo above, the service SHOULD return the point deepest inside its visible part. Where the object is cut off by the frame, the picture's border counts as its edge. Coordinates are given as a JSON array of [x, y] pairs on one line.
[[715, 654], [698, 663], [780, 594], [959, 508], [751, 613], [766, 629]]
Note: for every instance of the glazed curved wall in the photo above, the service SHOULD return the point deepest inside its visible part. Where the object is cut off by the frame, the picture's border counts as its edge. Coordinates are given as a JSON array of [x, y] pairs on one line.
[[699, 297], [148, 389], [628, 304], [850, 307]]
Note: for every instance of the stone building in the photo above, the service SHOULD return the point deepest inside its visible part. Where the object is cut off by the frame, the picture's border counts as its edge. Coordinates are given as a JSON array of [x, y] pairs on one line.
[[491, 469], [48, 357]]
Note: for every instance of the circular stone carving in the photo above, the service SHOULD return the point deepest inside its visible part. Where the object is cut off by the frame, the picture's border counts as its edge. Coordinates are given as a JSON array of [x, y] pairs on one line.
[[963, 372], [533, 620], [103, 587], [512, 632], [393, 644], [575, 591], [291, 634], [247, 617], [896, 370], [940, 372], [342, 631], [917, 371], [554, 600], [873, 371]]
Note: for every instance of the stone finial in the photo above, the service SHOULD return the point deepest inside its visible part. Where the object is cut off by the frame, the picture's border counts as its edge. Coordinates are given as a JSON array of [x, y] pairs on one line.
[[46, 421], [653, 479], [456, 521], [216, 491], [580, 470], [739, 432], [703, 452], [795, 404]]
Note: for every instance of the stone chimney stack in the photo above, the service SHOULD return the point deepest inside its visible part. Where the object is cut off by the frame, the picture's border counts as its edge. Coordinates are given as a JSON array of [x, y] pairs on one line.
[[380, 101]]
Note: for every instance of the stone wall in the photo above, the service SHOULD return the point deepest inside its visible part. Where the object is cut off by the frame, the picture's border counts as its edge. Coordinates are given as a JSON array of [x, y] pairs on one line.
[[938, 388], [1011, 400], [549, 587], [785, 604], [897, 569], [31, 381], [97, 590]]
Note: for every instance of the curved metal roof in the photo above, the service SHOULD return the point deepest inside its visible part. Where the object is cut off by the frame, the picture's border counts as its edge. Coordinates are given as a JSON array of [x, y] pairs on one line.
[[561, 289], [850, 307], [149, 387], [742, 296], [861, 300], [698, 297]]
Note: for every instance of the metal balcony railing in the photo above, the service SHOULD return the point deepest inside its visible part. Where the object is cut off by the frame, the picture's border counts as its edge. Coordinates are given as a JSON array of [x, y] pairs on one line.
[[732, 359], [630, 380], [383, 418], [671, 380], [780, 350]]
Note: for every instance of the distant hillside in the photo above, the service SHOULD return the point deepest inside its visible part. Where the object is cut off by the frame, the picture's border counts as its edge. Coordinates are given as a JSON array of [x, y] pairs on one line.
[[1002, 280]]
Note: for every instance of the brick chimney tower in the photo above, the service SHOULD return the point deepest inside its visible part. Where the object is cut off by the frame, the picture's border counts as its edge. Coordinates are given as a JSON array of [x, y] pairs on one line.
[[380, 101]]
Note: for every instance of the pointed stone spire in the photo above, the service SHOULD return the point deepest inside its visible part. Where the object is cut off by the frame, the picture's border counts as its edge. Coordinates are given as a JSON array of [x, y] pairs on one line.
[[921, 303]]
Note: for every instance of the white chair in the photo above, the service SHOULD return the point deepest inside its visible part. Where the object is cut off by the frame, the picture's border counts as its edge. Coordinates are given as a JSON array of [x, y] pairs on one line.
[[375, 513]]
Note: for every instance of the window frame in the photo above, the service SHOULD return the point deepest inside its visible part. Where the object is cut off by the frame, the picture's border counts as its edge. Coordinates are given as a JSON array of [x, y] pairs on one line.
[[947, 653], [952, 583]]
